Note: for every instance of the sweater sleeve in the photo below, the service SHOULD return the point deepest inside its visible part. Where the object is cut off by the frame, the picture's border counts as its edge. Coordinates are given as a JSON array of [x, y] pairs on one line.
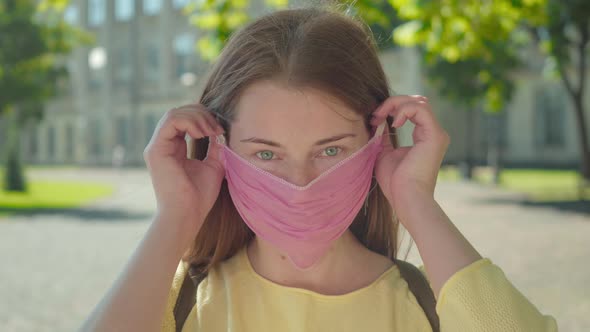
[[168, 323], [479, 297]]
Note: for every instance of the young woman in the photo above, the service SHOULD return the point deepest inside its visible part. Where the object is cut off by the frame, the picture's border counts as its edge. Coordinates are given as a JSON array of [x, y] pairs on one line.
[[291, 207]]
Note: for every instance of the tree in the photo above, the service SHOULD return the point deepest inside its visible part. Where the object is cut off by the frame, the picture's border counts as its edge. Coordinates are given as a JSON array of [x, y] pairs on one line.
[[564, 39], [470, 50], [33, 40], [474, 42], [472, 29], [465, 83], [220, 18], [484, 75]]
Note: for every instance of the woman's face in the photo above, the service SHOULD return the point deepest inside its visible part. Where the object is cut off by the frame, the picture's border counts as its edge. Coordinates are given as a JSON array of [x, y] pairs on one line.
[[295, 135]]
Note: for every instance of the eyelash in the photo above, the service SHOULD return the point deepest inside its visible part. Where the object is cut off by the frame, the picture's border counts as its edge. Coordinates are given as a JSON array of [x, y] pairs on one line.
[[340, 149]]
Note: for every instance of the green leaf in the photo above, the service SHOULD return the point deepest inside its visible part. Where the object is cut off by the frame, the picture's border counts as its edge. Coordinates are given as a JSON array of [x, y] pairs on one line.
[[408, 34], [236, 19], [209, 20], [209, 48]]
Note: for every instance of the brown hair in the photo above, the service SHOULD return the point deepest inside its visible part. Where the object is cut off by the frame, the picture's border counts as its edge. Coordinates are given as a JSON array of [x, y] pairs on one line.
[[315, 47]]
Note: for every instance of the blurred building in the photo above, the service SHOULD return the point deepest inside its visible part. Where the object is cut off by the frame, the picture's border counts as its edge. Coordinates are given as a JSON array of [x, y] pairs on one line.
[[144, 63], [537, 129]]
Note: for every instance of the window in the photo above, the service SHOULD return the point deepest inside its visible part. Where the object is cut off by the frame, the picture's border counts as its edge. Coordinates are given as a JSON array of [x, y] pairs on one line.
[[33, 142], [124, 9], [96, 12], [51, 143], [550, 107], [152, 7], [152, 62], [183, 51], [179, 3], [123, 131], [122, 68], [151, 121], [71, 14], [94, 139], [70, 142], [495, 130], [97, 60]]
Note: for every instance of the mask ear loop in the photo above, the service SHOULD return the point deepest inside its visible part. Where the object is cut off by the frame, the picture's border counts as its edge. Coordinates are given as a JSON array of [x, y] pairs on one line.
[[380, 128], [220, 139], [378, 132]]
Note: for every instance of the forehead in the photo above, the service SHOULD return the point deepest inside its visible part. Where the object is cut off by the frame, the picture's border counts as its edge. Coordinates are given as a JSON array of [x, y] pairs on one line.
[[266, 104]]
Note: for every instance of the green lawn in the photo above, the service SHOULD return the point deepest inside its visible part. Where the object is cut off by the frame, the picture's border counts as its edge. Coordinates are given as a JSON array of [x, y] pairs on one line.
[[539, 185], [52, 195], [449, 173]]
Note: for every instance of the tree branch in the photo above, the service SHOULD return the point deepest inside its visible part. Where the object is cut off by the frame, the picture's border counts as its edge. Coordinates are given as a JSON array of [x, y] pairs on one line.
[[566, 80], [582, 56]]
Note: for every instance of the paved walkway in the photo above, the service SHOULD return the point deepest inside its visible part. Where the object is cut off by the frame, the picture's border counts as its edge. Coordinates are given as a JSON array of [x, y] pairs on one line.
[[58, 266]]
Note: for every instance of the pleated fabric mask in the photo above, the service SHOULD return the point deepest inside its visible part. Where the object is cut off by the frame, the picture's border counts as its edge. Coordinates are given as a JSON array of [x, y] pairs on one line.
[[301, 221]]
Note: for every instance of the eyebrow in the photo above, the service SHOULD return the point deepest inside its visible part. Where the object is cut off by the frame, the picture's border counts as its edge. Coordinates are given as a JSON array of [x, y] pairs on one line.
[[318, 143]]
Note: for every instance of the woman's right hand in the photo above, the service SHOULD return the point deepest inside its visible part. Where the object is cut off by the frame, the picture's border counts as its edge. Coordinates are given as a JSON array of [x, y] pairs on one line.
[[185, 189]]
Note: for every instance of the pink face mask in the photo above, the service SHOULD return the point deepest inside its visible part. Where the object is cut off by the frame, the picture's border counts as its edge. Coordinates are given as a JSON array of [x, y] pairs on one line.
[[301, 221]]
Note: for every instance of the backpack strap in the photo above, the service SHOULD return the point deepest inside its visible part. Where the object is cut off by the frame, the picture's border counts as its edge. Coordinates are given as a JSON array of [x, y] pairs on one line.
[[187, 296], [421, 289], [417, 284]]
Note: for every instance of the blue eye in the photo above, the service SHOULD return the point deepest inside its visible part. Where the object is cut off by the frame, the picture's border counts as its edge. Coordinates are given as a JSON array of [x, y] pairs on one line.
[[332, 151], [265, 155]]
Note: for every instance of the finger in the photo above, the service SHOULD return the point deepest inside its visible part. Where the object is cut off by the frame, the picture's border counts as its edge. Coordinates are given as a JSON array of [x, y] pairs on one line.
[[186, 108], [207, 121], [205, 128], [202, 113], [213, 123], [178, 125], [405, 111], [417, 112], [204, 121], [394, 102]]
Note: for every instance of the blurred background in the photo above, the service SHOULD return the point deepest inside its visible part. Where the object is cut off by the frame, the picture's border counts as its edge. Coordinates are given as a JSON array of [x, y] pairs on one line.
[[83, 84]]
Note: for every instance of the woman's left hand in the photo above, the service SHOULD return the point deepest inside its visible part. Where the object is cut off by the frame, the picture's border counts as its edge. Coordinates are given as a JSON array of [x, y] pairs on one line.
[[412, 169]]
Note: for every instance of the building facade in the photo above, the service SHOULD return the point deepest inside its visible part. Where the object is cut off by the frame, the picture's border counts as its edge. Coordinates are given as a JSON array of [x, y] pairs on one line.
[[144, 63]]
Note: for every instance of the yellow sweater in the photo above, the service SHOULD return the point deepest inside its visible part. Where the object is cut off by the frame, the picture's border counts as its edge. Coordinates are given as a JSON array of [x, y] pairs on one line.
[[233, 297]]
